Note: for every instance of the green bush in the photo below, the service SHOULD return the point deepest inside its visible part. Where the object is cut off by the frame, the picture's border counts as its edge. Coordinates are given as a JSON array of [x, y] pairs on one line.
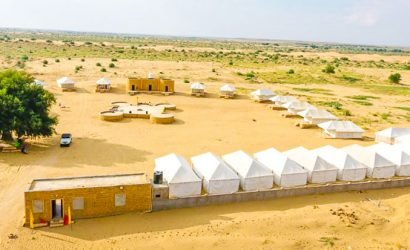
[[82, 59], [103, 70], [111, 65], [98, 64], [24, 58], [57, 60], [114, 60], [395, 78], [45, 62], [291, 71], [329, 69]]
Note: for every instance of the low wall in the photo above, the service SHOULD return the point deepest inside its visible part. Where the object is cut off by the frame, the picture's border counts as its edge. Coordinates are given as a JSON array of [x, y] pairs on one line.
[[163, 204]]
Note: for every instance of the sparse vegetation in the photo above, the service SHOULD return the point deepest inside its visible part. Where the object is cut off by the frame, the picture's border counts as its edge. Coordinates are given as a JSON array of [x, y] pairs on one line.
[[103, 70], [329, 69], [395, 78], [111, 65]]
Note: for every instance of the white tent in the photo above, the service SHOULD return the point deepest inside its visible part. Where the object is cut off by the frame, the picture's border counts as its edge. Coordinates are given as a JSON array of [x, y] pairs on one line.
[[39, 83], [294, 107], [65, 83], [320, 171], [389, 135], [402, 139], [197, 89], [227, 90], [377, 165], [286, 171], [262, 95], [316, 116], [342, 129], [103, 85], [181, 179], [349, 169], [254, 176], [104, 81], [217, 177], [396, 155], [281, 99]]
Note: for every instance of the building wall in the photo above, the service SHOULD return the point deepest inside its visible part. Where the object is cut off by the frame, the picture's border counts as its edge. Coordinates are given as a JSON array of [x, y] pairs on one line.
[[157, 84], [97, 201]]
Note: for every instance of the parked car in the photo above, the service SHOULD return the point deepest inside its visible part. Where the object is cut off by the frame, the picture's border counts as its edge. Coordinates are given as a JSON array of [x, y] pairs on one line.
[[66, 140]]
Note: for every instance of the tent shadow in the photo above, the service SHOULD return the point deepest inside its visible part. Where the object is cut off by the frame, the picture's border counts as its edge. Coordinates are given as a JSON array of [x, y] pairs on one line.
[[136, 223], [85, 151]]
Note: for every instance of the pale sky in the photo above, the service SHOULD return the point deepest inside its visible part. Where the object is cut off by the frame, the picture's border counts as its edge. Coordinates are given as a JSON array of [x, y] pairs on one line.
[[373, 22]]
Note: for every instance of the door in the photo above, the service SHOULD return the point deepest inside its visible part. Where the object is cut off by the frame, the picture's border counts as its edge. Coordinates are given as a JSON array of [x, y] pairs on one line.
[[166, 88], [133, 87], [57, 209], [150, 87]]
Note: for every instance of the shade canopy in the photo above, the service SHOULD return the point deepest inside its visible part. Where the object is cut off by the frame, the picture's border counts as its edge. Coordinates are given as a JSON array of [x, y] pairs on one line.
[[65, 80], [254, 176], [217, 177], [349, 169], [104, 81], [286, 171], [227, 88], [182, 180], [280, 99], [198, 86], [263, 92]]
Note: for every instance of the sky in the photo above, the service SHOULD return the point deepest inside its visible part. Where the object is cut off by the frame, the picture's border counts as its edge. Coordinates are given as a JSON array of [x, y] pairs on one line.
[[372, 22]]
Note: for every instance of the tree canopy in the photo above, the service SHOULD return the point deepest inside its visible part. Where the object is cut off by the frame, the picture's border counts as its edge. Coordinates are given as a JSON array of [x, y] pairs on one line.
[[395, 78], [24, 106]]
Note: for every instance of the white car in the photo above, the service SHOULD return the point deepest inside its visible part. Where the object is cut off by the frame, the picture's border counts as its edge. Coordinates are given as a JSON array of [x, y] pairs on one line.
[[65, 140]]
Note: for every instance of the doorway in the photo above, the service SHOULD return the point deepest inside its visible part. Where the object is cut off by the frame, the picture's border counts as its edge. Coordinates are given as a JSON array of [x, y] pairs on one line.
[[133, 87], [166, 88], [150, 87], [57, 209]]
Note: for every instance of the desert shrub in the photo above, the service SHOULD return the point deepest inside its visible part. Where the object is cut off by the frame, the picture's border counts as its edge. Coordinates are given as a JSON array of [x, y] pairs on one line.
[[186, 81], [250, 74], [395, 78], [57, 60], [114, 60], [45, 62], [103, 70], [231, 63], [291, 71], [69, 58], [24, 58], [82, 59], [98, 64], [329, 69], [111, 65], [214, 70]]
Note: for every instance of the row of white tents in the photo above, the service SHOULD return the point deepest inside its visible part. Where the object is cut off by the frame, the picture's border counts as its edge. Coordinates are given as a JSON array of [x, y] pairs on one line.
[[393, 135], [295, 167], [68, 83], [322, 118], [227, 90]]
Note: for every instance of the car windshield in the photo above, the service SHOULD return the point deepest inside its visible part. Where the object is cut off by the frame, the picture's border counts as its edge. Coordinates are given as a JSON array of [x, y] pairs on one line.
[[65, 135]]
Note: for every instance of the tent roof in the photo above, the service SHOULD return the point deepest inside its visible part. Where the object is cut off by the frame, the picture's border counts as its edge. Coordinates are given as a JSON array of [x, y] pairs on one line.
[[228, 87], [283, 98], [212, 167], [338, 158], [316, 113], [104, 81], [278, 162], [245, 165], [198, 85], [297, 105], [308, 159], [394, 132], [403, 139], [263, 92], [391, 153], [65, 80], [367, 156], [341, 126], [176, 169]]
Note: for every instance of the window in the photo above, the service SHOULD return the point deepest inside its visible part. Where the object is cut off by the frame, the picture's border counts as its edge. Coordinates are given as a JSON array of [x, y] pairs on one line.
[[38, 206], [78, 203], [119, 200]]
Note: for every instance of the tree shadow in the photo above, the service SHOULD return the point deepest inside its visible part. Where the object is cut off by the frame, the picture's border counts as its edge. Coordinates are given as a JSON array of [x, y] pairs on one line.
[[134, 223], [82, 152]]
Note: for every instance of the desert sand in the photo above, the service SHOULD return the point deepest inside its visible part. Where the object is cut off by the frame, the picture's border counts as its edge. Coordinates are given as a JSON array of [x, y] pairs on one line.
[[374, 219]]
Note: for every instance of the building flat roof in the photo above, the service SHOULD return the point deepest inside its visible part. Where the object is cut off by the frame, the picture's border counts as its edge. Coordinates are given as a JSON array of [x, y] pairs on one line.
[[87, 182]]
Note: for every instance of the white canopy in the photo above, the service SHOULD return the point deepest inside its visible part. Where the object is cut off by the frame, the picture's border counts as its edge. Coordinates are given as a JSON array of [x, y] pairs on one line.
[[320, 171], [280, 99], [396, 155], [286, 171], [402, 139], [39, 83], [316, 116], [254, 176], [182, 180], [263, 92], [342, 129], [296, 106], [377, 165], [390, 134], [217, 177], [228, 88], [198, 86], [349, 169], [104, 81], [65, 80]]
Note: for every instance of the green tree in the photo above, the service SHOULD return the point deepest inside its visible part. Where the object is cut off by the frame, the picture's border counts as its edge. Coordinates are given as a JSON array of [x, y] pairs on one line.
[[24, 107], [329, 69], [395, 78]]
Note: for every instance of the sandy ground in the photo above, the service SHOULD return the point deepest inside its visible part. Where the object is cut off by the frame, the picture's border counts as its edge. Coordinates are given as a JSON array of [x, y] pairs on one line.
[[203, 124]]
